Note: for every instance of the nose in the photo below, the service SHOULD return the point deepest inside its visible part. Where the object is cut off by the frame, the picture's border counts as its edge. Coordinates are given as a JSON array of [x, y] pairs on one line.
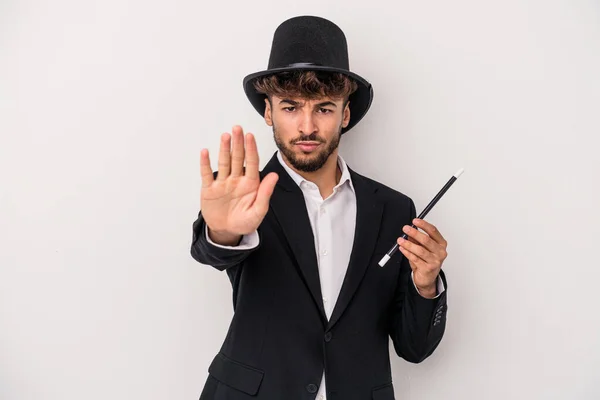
[[306, 124]]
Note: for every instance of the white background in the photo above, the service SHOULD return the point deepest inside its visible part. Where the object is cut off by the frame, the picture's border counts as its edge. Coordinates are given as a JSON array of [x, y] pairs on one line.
[[105, 105]]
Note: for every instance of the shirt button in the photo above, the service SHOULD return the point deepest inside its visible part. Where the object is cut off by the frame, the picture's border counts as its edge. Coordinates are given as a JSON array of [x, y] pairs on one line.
[[312, 388], [320, 397], [324, 252], [323, 211]]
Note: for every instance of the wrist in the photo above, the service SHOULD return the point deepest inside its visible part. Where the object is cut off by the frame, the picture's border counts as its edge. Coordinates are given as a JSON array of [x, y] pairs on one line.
[[428, 290], [224, 238]]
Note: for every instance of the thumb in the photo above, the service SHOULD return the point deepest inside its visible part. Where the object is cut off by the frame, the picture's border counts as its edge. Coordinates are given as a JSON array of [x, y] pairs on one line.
[[265, 190]]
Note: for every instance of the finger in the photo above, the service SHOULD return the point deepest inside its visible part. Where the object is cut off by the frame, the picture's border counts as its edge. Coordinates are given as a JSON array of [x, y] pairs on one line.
[[205, 170], [422, 238], [417, 250], [265, 190], [224, 157], [431, 230], [251, 157], [237, 153], [415, 261], [410, 239]]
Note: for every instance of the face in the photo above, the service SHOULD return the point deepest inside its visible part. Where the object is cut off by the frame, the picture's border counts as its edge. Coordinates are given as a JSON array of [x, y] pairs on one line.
[[307, 132]]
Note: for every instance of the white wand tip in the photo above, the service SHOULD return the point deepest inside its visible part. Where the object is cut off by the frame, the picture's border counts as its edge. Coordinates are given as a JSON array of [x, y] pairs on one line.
[[459, 172], [384, 260]]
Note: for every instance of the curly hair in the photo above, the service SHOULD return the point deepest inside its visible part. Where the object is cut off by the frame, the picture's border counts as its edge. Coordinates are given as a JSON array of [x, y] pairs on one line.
[[307, 85]]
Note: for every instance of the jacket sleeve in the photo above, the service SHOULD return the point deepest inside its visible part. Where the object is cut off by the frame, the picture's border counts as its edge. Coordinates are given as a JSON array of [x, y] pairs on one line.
[[417, 323], [220, 257]]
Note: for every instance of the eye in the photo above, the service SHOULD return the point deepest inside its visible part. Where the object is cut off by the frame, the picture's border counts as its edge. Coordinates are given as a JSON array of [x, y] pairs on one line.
[[289, 109], [325, 110]]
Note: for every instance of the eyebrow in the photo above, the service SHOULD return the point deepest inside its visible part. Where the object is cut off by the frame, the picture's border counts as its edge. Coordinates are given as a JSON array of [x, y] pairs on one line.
[[295, 103]]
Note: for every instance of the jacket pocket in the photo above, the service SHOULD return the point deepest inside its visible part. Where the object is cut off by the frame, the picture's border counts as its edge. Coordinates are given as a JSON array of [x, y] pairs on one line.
[[235, 374], [385, 392]]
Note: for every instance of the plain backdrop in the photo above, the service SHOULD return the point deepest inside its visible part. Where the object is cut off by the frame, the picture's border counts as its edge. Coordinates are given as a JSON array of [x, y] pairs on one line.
[[105, 106]]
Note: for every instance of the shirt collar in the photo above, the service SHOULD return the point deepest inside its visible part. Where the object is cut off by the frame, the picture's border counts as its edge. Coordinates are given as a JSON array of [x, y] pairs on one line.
[[299, 179]]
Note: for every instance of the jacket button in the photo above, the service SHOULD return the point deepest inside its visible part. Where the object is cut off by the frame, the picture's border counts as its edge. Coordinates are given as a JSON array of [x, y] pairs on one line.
[[312, 388], [328, 337]]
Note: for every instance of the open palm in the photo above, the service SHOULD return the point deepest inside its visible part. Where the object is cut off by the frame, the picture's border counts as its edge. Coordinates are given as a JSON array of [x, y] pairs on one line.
[[236, 201]]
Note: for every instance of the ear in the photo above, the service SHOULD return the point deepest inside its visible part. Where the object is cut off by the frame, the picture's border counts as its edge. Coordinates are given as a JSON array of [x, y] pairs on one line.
[[346, 116], [268, 115]]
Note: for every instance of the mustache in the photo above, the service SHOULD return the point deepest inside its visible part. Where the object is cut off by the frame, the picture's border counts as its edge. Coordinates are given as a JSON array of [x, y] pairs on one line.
[[310, 138]]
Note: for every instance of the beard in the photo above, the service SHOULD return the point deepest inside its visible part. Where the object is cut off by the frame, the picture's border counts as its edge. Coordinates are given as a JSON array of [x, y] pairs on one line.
[[315, 160]]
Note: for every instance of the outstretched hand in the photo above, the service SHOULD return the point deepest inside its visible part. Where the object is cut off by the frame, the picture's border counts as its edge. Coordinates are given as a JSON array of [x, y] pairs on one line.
[[236, 202]]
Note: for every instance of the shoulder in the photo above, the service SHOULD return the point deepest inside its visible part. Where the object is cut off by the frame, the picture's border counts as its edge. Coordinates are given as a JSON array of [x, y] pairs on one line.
[[384, 192]]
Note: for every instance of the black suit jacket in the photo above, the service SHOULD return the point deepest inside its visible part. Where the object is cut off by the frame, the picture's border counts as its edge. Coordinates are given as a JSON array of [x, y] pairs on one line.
[[280, 341]]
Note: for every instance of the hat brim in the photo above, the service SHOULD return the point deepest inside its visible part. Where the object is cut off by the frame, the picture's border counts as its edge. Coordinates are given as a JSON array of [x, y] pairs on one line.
[[360, 100]]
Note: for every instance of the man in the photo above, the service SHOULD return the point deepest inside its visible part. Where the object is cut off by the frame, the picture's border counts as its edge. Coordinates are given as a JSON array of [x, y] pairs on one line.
[[300, 241]]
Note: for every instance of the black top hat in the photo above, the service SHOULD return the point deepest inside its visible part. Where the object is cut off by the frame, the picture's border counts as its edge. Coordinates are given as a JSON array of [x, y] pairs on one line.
[[316, 44]]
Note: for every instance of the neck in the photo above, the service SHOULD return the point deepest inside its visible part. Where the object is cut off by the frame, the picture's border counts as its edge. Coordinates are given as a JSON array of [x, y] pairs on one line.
[[326, 177]]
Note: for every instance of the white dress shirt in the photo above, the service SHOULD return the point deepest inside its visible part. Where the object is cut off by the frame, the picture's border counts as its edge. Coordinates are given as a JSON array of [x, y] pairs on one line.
[[333, 243]]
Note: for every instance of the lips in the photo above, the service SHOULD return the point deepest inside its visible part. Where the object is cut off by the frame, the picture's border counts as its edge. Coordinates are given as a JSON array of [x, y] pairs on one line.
[[308, 146]]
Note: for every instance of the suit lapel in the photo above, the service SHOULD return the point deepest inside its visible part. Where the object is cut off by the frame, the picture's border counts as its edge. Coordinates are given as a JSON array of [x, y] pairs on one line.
[[289, 207], [369, 210]]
